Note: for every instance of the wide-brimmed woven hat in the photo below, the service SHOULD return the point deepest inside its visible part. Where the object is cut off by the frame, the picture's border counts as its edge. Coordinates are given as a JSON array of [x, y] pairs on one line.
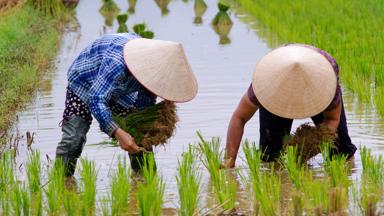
[[294, 82], [161, 67]]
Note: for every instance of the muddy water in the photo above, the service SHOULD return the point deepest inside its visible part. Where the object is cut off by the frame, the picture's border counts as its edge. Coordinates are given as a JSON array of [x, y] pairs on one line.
[[223, 73]]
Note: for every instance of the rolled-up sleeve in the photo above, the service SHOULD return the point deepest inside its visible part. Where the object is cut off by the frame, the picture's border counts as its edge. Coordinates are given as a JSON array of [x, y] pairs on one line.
[[110, 72]]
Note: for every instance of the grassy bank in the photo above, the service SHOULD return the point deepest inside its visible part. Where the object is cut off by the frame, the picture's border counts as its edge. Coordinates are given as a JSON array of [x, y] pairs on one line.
[[28, 42], [348, 29]]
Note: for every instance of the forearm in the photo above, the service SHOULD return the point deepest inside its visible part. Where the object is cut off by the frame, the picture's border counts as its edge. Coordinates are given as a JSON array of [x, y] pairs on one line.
[[234, 136]]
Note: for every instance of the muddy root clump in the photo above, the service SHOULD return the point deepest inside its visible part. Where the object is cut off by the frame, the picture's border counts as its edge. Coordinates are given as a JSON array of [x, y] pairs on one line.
[[152, 126], [308, 140]]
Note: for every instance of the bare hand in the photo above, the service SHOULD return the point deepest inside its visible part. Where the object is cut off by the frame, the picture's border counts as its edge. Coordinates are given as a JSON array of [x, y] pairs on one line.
[[127, 142], [228, 163]]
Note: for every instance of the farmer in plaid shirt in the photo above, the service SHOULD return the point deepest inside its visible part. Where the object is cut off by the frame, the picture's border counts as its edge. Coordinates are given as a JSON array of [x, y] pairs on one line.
[[114, 75]]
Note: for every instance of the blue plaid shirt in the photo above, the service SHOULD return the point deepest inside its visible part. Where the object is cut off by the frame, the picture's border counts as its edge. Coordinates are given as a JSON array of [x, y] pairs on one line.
[[99, 74]]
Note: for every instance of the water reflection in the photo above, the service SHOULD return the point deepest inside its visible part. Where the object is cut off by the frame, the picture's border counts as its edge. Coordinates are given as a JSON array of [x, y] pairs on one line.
[[200, 8], [122, 19], [222, 24], [132, 6], [163, 5], [109, 10]]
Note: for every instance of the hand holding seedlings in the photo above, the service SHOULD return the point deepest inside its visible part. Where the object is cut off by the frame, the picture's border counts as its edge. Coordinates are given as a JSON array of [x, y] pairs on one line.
[[127, 142]]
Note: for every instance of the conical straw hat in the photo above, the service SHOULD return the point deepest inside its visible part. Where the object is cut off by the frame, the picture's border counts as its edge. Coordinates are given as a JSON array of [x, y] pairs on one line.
[[162, 67], [294, 82]]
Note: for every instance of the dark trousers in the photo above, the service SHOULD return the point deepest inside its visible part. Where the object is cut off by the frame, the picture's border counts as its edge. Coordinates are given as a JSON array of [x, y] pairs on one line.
[[274, 128], [75, 126]]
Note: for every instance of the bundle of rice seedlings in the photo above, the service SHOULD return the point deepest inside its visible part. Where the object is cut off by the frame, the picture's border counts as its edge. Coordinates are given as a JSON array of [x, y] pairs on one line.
[[88, 179], [151, 126], [163, 5], [109, 10], [222, 23], [200, 7], [122, 19], [141, 29], [308, 140], [132, 6]]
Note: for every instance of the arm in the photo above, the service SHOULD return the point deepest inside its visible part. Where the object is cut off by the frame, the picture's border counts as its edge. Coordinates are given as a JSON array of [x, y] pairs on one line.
[[100, 93], [244, 111], [332, 118]]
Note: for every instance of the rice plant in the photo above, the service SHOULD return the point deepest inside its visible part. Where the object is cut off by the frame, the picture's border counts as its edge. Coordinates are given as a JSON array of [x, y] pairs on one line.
[[71, 203], [188, 183], [87, 185], [224, 186], [122, 19], [339, 27], [268, 194], [109, 10], [25, 200], [316, 193], [141, 29], [132, 6], [55, 189], [33, 168], [338, 200], [6, 170], [120, 186], [199, 7], [373, 167], [16, 199], [48, 7], [337, 170], [151, 189], [292, 163]]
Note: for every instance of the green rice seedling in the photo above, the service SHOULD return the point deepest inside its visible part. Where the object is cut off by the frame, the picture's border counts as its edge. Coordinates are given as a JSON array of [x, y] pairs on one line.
[[151, 126], [48, 7], [109, 10], [6, 170], [370, 195], [200, 7], [87, 185], [316, 193], [163, 5], [141, 29], [37, 203], [222, 23], [373, 167], [71, 203], [225, 187], [120, 186], [122, 19], [16, 199], [132, 6], [5, 204], [338, 200], [188, 183], [151, 189], [33, 168], [25, 200], [105, 206], [253, 160], [292, 163], [337, 170], [298, 202], [268, 194], [55, 188]]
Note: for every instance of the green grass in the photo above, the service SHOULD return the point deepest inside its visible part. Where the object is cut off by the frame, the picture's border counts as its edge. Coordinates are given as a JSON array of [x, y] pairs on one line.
[[88, 177], [28, 43], [347, 29], [151, 189], [188, 183]]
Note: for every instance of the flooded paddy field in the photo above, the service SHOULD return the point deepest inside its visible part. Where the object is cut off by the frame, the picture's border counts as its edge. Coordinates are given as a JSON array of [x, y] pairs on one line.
[[223, 67]]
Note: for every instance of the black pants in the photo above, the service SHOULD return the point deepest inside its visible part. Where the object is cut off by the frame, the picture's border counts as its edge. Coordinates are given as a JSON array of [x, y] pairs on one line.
[[274, 128]]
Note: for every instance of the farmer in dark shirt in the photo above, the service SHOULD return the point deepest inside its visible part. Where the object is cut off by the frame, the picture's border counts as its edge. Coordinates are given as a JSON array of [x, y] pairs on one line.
[[116, 74], [294, 81]]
